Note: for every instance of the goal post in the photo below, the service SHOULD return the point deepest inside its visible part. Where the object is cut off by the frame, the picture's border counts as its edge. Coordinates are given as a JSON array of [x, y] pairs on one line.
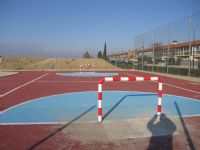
[[89, 66], [113, 79]]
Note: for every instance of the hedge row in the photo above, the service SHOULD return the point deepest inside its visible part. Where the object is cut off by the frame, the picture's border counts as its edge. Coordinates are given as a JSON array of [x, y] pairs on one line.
[[171, 70], [125, 65]]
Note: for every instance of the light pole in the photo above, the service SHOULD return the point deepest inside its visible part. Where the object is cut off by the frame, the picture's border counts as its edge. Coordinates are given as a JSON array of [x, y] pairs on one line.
[[168, 38], [153, 51], [142, 51], [190, 27], [193, 30]]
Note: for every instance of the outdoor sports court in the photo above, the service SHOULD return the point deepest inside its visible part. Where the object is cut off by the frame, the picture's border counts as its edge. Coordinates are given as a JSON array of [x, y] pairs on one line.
[[58, 110]]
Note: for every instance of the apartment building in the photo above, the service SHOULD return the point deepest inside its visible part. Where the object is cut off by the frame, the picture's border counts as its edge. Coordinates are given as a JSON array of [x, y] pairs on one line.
[[179, 52]]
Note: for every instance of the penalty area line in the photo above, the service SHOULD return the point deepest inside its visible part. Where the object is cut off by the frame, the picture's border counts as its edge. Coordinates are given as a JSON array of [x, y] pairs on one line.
[[22, 85]]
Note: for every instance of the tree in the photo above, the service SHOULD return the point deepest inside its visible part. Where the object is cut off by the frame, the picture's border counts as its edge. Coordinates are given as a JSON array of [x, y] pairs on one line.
[[86, 55], [99, 55], [104, 52]]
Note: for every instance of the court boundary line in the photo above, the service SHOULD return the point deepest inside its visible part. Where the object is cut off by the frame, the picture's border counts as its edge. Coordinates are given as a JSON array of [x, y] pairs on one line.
[[90, 121], [23, 85], [45, 81], [172, 85], [1, 112], [182, 88]]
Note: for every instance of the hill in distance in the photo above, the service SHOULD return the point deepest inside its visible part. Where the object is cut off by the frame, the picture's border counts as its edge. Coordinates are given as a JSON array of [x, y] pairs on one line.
[[44, 63]]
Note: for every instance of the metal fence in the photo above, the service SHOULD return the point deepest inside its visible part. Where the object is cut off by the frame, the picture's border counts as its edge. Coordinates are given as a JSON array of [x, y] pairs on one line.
[[171, 48]]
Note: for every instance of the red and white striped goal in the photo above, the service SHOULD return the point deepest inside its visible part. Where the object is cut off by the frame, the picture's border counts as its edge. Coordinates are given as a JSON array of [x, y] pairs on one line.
[[113, 79], [87, 66]]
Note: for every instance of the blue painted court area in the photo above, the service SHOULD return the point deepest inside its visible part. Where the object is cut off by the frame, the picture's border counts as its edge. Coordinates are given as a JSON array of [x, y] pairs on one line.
[[83, 107], [87, 74]]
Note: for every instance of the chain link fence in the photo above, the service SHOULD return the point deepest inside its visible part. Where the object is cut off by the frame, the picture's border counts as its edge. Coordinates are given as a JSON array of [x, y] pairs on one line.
[[172, 48]]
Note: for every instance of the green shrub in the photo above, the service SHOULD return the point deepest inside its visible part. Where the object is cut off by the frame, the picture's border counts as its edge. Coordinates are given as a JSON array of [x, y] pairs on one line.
[[176, 71], [125, 65], [161, 69]]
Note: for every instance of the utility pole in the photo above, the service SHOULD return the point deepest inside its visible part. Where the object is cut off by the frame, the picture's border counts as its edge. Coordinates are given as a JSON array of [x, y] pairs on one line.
[[142, 51], [190, 43], [168, 34], [193, 29], [153, 51]]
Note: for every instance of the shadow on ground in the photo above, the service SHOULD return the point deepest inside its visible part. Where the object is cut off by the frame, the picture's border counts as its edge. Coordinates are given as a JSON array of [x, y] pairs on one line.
[[60, 129], [121, 100], [162, 132], [157, 128]]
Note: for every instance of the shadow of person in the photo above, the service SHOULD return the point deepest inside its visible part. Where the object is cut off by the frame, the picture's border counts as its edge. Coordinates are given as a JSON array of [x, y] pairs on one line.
[[162, 133]]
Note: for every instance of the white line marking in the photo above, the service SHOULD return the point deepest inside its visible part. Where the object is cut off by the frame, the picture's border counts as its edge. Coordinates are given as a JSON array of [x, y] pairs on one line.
[[22, 85], [40, 99], [129, 74], [82, 122], [12, 107], [173, 86], [182, 88], [64, 81], [36, 123]]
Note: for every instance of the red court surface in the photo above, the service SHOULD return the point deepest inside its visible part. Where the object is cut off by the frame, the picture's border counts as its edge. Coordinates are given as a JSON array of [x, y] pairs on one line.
[[26, 86]]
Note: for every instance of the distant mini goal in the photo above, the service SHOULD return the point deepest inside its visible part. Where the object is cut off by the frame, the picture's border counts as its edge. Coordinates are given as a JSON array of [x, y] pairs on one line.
[[87, 66]]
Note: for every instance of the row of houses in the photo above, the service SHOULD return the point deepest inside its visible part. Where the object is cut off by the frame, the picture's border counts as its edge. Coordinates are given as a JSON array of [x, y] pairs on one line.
[[159, 54]]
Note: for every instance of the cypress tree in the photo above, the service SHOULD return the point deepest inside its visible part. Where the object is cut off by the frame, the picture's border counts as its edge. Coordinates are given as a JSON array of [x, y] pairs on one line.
[[104, 52]]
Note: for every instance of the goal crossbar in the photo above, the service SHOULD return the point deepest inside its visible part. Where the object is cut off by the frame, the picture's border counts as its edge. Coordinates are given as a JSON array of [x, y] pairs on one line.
[[113, 79]]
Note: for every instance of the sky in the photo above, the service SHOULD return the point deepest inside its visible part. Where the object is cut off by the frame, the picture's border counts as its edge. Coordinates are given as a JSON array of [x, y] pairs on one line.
[[69, 28]]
